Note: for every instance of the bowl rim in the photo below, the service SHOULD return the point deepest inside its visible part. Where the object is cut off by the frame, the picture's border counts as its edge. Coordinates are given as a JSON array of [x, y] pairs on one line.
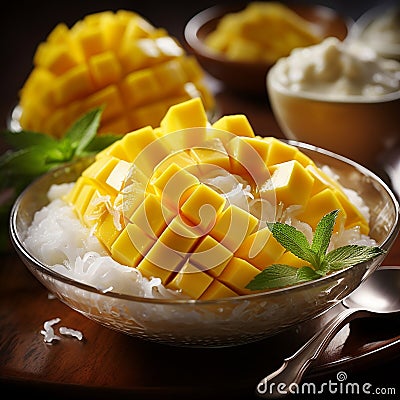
[[197, 21], [44, 269], [348, 99]]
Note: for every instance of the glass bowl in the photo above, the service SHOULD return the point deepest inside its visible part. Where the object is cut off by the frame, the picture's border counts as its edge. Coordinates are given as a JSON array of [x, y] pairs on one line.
[[222, 322]]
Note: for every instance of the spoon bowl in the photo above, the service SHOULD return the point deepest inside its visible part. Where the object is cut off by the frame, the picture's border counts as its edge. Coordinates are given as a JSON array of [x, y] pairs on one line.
[[376, 296]]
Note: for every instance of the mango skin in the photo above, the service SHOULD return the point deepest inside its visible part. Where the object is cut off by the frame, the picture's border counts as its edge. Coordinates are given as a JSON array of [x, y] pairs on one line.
[[147, 200]]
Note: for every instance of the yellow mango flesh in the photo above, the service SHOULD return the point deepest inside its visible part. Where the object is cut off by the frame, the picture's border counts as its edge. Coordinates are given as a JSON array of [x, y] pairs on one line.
[[116, 60], [263, 31], [174, 214]]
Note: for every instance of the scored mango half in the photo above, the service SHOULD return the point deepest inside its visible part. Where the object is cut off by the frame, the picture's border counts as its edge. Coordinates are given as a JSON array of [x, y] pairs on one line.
[[117, 60], [188, 201]]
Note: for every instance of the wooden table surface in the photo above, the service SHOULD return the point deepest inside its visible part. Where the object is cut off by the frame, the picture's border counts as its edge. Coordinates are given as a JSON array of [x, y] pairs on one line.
[[110, 364]]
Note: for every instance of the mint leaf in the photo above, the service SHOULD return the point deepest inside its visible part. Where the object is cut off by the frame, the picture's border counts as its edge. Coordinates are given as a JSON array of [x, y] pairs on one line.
[[281, 275], [100, 142], [274, 276], [323, 233], [293, 240], [82, 132], [32, 154], [349, 255], [24, 162], [24, 139], [306, 273]]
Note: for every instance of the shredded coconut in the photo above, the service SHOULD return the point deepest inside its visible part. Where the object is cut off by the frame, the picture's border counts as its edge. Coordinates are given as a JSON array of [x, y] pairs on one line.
[[71, 332], [58, 238], [50, 335], [48, 331]]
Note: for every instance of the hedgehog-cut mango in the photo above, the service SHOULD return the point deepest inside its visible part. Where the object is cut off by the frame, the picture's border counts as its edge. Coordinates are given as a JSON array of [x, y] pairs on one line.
[[117, 60], [177, 209]]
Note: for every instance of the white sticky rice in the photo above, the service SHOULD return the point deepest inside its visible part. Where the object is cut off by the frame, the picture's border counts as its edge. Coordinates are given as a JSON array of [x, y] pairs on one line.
[[57, 238]]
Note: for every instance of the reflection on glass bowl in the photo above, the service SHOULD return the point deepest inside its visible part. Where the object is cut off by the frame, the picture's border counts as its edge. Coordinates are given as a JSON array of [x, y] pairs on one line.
[[213, 323]]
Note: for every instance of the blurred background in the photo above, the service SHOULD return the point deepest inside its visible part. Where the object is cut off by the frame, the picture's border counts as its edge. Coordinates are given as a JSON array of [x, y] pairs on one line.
[[26, 23]]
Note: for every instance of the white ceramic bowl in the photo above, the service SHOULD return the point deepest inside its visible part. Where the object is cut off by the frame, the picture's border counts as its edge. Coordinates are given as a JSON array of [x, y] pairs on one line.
[[358, 127]]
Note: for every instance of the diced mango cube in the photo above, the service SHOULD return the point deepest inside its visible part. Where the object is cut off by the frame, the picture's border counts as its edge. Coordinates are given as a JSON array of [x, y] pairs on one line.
[[144, 148], [210, 256], [217, 290], [117, 176], [139, 88], [248, 157], [261, 249], [105, 69], [107, 231], [191, 281], [72, 195], [354, 217], [233, 226], [95, 209], [182, 159], [237, 274], [109, 98], [188, 114], [236, 124], [303, 159], [163, 257], [206, 156], [321, 204], [174, 185], [179, 236], [131, 246], [83, 198], [75, 83], [56, 59], [203, 206], [279, 151], [100, 170], [170, 75], [117, 149], [91, 41], [290, 184], [153, 270], [151, 216]]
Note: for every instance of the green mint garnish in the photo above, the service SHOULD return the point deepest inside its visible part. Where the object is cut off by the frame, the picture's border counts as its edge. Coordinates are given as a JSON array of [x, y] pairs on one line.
[[32, 154], [322, 262]]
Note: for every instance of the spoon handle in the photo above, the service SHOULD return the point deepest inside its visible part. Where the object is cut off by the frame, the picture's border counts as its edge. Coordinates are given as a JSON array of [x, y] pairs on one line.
[[277, 384]]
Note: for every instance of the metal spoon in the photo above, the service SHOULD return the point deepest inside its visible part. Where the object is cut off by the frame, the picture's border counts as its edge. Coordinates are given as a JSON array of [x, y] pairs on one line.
[[377, 295]]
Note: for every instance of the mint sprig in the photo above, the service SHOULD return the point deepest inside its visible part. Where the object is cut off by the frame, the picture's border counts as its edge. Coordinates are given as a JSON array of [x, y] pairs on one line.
[[321, 262], [31, 154]]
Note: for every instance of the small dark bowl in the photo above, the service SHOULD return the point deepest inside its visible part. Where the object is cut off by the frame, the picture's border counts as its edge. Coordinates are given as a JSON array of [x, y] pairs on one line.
[[249, 77]]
